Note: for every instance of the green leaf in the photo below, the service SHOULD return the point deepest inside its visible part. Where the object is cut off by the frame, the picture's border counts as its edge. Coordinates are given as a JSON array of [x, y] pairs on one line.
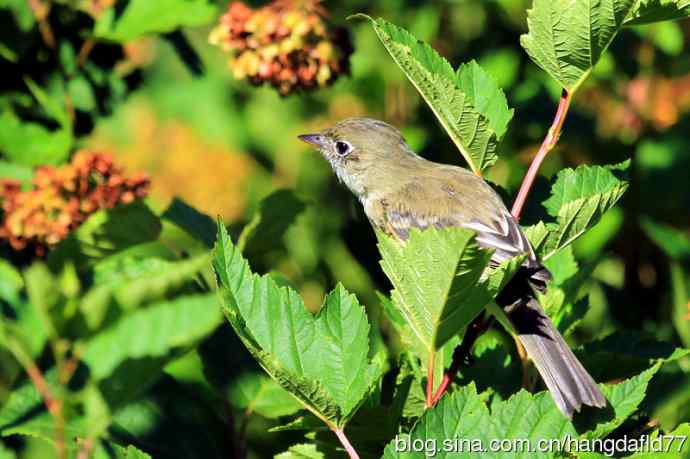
[[11, 282], [131, 282], [106, 232], [675, 243], [562, 265], [463, 415], [436, 279], [197, 224], [256, 393], [579, 197], [309, 451], [624, 398], [144, 17], [323, 361], [632, 352], [486, 96], [32, 144], [647, 11], [152, 332], [681, 301], [468, 104], [276, 213], [566, 38], [672, 445]]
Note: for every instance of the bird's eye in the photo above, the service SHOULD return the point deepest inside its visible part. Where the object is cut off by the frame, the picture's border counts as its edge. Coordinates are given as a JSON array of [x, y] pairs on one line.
[[342, 148]]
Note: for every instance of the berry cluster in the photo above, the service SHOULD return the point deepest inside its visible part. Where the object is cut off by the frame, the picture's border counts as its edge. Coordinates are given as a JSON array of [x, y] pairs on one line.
[[62, 198], [286, 43]]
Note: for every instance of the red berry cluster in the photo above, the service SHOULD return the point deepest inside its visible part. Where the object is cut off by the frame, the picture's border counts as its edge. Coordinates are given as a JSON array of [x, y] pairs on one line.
[[62, 198], [286, 43]]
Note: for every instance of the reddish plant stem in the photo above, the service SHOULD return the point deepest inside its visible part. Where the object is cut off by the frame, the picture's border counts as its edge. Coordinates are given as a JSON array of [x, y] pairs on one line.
[[546, 146], [86, 448], [84, 51], [346, 443], [41, 11], [53, 405], [461, 354]]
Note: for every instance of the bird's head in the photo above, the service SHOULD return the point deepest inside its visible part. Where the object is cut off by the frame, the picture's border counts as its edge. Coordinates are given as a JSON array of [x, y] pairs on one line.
[[362, 151]]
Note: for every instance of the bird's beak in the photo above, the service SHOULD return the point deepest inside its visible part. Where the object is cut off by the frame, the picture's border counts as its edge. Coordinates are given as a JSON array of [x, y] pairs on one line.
[[317, 140]]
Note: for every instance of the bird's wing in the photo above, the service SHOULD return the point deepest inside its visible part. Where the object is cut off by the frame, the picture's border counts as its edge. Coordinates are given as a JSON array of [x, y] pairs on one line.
[[439, 204]]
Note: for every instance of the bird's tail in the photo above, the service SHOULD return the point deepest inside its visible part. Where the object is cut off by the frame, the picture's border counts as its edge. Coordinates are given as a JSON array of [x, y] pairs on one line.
[[565, 377]]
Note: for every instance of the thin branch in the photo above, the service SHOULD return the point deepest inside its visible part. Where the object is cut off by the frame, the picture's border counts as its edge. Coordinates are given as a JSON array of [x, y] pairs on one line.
[[524, 362], [546, 146], [462, 354], [84, 51], [41, 11], [346, 443], [53, 405], [86, 448]]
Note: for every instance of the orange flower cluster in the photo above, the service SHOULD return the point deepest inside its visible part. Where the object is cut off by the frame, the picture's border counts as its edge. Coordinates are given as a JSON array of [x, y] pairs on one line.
[[62, 198], [286, 44]]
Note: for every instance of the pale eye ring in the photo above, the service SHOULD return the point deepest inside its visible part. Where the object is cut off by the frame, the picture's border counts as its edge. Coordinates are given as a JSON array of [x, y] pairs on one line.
[[342, 147]]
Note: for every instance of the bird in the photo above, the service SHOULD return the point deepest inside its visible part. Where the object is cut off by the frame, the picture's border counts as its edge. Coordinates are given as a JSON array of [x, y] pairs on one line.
[[400, 190]]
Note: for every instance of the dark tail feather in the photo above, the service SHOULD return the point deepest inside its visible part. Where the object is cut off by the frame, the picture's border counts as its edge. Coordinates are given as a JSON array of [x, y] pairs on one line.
[[565, 377]]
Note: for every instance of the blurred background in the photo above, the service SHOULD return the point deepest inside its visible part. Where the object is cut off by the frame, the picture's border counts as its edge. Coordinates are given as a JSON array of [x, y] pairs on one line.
[[222, 145]]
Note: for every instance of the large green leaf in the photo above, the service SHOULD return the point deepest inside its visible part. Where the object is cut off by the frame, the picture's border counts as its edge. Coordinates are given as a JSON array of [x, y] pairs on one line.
[[464, 420], [152, 332], [143, 17], [579, 198], [437, 283], [468, 103], [646, 11], [566, 38], [322, 360]]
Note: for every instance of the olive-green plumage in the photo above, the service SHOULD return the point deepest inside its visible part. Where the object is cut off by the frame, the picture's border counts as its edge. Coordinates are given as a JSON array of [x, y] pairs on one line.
[[400, 190]]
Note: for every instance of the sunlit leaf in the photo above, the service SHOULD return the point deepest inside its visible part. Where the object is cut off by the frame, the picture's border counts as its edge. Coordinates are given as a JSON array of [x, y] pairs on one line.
[[143, 17], [322, 360], [647, 11], [437, 289], [464, 415], [566, 38], [579, 197], [152, 332], [468, 103]]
